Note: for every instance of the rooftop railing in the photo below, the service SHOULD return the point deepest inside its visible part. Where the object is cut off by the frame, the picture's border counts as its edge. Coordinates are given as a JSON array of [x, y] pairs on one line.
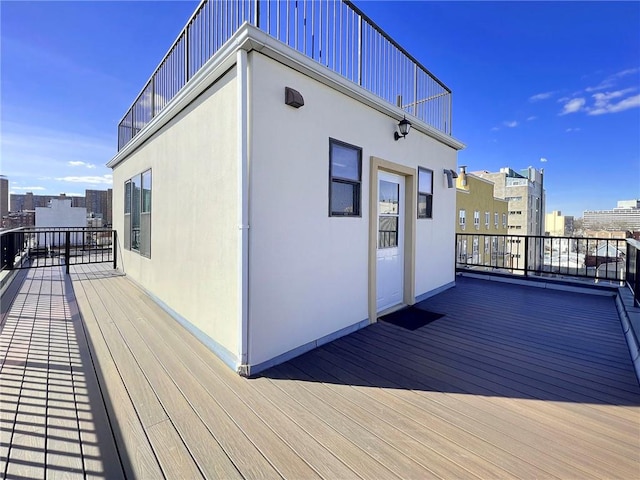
[[32, 247], [596, 259], [334, 33]]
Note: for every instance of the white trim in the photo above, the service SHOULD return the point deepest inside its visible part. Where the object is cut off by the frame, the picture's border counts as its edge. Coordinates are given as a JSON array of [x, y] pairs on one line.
[[250, 38], [243, 207]]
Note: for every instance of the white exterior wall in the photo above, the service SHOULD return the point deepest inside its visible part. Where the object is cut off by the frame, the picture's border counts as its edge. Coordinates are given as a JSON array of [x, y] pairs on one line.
[[309, 271], [60, 214], [193, 267]]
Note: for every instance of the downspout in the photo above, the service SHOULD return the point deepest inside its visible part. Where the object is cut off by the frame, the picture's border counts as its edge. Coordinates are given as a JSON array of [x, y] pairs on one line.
[[243, 212]]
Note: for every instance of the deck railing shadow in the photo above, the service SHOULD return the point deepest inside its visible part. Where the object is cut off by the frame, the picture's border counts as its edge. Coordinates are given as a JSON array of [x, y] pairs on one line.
[[495, 340]]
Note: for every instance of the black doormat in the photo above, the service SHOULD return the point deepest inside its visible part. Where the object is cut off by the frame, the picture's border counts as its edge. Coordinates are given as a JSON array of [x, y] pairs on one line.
[[411, 317]]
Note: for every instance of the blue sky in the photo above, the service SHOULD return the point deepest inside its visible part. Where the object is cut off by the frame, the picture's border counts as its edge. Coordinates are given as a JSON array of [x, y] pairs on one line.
[[544, 84]]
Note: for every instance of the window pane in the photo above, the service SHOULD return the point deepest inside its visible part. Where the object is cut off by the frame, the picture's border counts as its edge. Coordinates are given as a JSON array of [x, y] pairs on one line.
[[388, 232], [146, 191], [425, 178], [345, 162], [344, 198], [422, 205], [127, 197], [135, 212], [429, 213], [389, 194]]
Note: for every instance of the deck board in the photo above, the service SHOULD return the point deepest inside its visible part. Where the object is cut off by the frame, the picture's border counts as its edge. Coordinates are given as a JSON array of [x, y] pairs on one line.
[[513, 381]]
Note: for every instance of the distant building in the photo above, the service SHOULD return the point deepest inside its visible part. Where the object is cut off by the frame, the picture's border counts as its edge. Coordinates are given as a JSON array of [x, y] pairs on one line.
[[558, 225], [626, 216], [479, 211], [20, 219], [4, 196], [21, 202], [98, 204], [525, 193]]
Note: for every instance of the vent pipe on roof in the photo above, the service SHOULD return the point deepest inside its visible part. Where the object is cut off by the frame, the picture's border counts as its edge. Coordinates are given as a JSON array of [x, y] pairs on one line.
[[463, 175]]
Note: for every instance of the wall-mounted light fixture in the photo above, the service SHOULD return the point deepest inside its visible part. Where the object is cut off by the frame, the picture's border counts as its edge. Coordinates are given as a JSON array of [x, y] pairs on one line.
[[404, 126], [293, 98], [451, 175]]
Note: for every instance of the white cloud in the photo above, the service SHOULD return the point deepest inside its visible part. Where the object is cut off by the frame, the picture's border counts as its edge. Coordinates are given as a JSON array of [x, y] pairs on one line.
[[611, 80], [510, 123], [573, 105], [78, 163], [532, 117], [495, 129], [541, 96], [604, 105], [572, 130], [94, 180], [27, 189], [543, 159]]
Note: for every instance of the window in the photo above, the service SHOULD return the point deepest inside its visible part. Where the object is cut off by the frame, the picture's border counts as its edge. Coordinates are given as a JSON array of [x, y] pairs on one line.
[[496, 219], [476, 219], [487, 216], [127, 214], [145, 215], [462, 217], [345, 172], [425, 193], [137, 214], [504, 220]]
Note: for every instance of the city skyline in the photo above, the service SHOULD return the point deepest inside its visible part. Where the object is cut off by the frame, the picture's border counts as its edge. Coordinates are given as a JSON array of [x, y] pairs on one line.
[[549, 85]]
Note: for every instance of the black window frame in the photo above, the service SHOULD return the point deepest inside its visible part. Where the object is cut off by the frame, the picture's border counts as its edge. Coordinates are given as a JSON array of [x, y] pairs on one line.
[[356, 184], [139, 208], [428, 196]]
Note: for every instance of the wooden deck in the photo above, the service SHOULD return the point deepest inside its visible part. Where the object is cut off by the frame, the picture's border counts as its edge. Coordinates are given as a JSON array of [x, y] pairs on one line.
[[512, 382]]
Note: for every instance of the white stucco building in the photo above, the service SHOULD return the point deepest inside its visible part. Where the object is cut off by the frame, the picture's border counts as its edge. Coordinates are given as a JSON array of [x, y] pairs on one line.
[[60, 215], [312, 218]]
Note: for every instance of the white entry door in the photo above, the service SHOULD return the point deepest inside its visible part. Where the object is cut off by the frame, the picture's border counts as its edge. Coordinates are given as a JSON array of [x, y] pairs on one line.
[[390, 250]]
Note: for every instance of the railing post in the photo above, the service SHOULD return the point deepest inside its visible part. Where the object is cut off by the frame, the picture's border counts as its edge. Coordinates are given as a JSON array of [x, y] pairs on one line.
[[526, 256], [256, 13], [415, 90], [114, 246], [67, 249], [636, 278], [360, 50]]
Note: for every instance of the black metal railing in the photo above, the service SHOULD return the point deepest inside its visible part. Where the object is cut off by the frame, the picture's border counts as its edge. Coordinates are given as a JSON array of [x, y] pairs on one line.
[[48, 247], [591, 258], [633, 268], [335, 33]]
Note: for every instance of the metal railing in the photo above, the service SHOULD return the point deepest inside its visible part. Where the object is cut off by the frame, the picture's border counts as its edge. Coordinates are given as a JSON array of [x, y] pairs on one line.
[[48, 247], [334, 33], [633, 268], [591, 258]]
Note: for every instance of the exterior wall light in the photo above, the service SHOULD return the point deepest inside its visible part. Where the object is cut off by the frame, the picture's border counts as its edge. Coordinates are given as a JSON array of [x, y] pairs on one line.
[[404, 126], [451, 175], [293, 98]]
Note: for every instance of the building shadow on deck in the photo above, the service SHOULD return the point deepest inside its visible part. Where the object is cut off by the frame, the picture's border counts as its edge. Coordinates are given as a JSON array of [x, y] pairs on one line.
[[495, 340]]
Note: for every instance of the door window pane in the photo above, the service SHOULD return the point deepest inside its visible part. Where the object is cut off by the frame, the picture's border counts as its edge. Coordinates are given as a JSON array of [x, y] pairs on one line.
[[389, 196], [387, 232]]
